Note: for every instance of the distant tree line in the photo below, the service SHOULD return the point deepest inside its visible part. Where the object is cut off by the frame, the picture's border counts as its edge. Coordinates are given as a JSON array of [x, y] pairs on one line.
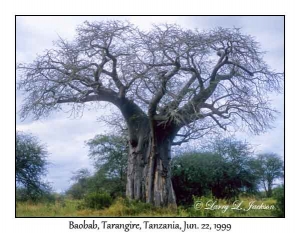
[[109, 154], [225, 169]]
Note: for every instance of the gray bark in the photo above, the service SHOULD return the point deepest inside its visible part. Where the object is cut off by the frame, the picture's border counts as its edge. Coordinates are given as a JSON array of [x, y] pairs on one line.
[[149, 173]]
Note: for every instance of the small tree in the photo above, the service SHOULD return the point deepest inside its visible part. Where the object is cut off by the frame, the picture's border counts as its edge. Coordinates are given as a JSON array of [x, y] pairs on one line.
[[225, 171], [81, 183], [195, 173], [269, 167], [239, 172], [110, 155], [31, 166]]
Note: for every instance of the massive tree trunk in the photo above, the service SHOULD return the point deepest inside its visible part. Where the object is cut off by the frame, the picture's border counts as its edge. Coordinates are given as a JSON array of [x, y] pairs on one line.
[[149, 173]]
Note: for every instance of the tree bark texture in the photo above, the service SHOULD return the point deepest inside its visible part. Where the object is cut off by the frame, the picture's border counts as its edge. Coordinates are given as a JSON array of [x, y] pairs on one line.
[[149, 173]]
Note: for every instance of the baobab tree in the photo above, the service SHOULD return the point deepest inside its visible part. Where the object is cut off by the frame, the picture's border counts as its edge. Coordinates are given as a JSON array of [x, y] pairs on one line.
[[170, 85]]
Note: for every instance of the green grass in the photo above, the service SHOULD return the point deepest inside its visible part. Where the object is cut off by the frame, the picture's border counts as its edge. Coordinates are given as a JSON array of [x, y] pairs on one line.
[[123, 208]]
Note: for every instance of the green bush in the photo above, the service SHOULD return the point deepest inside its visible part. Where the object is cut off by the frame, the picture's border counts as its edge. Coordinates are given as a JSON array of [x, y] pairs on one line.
[[24, 195], [97, 200], [278, 194]]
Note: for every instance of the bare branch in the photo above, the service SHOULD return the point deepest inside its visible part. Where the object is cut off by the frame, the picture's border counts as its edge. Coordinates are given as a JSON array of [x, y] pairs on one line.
[[178, 78]]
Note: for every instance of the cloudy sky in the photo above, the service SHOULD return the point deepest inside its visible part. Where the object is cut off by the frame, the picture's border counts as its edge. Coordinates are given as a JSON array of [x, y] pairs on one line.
[[65, 136]]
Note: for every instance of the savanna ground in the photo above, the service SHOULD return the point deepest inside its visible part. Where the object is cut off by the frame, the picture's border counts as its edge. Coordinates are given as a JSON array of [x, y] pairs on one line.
[[125, 208]]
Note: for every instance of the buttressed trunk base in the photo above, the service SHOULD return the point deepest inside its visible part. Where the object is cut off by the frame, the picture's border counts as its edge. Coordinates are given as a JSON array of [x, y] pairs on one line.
[[149, 174]]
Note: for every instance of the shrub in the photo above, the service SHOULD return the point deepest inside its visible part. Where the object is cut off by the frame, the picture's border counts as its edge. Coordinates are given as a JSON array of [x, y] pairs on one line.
[[97, 200], [125, 207], [24, 195], [278, 194]]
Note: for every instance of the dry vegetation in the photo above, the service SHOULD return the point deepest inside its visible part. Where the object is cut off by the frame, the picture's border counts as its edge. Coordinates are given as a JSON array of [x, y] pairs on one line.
[[123, 208]]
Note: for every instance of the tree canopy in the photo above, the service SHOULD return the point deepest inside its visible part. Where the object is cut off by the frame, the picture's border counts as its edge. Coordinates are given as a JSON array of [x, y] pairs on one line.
[[31, 166], [269, 168], [171, 73], [109, 154], [224, 170]]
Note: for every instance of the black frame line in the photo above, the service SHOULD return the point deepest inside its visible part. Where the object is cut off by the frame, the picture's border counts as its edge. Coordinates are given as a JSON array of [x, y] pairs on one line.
[[94, 217]]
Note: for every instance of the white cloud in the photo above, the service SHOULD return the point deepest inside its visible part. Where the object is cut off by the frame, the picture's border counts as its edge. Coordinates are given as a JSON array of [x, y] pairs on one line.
[[65, 143]]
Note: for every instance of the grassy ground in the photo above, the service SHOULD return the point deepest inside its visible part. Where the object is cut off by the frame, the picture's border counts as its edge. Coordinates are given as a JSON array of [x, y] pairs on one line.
[[122, 208]]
